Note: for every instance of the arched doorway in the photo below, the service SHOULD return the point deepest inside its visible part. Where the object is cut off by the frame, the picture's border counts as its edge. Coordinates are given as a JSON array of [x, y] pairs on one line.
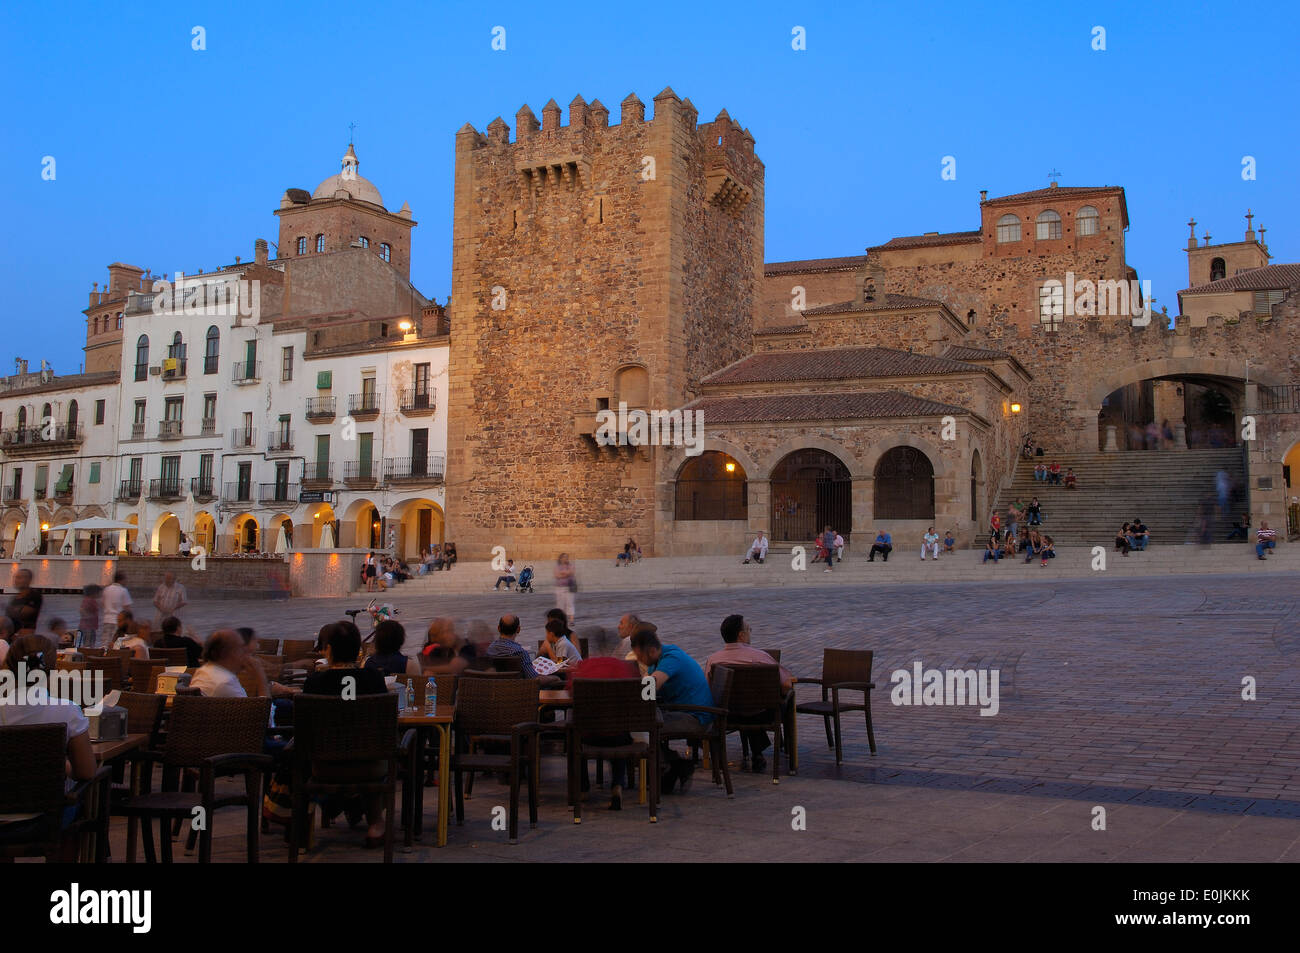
[[205, 531], [904, 485], [273, 532], [711, 486], [322, 515], [419, 523], [167, 535], [246, 536], [362, 527], [811, 489]]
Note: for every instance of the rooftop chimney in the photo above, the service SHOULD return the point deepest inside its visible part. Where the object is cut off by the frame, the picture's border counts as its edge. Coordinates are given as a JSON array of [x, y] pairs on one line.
[[259, 251]]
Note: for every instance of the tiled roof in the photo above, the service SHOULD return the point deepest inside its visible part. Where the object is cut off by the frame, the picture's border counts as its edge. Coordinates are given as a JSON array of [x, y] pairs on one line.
[[789, 407], [781, 329], [847, 363], [960, 352], [849, 263], [1047, 193], [923, 241], [891, 301], [1268, 278]]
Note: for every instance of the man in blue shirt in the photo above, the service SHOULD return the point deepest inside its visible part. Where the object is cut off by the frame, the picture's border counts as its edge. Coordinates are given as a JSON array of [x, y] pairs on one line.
[[679, 680], [884, 545]]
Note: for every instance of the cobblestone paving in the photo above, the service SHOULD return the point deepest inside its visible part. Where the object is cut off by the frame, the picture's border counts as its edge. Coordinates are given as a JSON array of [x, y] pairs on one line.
[[1111, 691]]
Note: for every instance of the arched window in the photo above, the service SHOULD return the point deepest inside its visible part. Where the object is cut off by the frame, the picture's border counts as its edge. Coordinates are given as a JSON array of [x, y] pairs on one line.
[[904, 486], [142, 357], [1217, 269], [320, 243], [1087, 222], [1049, 225], [212, 350], [97, 325], [72, 419], [119, 320], [632, 386], [1008, 229], [22, 421], [177, 350], [47, 413], [365, 242], [385, 251], [711, 486], [302, 244]]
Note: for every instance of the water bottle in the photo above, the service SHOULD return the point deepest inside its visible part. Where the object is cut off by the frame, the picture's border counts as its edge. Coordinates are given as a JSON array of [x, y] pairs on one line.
[[410, 695], [431, 695]]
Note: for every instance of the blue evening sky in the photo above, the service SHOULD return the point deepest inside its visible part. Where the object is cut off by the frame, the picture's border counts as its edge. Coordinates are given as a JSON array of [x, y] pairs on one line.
[[176, 159]]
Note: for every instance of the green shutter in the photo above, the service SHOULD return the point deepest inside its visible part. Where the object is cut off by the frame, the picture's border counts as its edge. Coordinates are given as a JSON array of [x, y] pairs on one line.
[[65, 480], [324, 380], [94, 473]]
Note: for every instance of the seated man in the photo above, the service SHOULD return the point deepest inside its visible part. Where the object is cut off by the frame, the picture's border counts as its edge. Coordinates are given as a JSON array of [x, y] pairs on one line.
[[930, 540], [1054, 474], [1266, 539], [1240, 527], [506, 644], [509, 577], [1140, 536], [884, 545], [992, 550], [172, 639], [224, 657], [444, 652], [679, 680], [757, 549], [736, 650]]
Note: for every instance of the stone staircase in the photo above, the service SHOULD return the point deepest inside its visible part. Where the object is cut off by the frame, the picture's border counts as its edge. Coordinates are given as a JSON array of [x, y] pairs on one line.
[[1162, 487]]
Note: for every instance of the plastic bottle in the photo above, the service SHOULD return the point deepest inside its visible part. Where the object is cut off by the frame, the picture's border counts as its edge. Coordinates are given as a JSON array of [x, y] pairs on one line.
[[410, 695], [431, 695]]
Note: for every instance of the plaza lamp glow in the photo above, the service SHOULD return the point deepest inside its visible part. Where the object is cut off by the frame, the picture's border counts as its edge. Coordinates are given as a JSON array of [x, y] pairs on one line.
[[1015, 408], [731, 466]]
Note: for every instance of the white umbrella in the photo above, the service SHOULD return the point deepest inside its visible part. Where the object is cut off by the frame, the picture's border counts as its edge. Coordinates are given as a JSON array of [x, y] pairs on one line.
[[187, 524], [29, 537], [281, 542], [327, 536], [142, 534], [94, 524]]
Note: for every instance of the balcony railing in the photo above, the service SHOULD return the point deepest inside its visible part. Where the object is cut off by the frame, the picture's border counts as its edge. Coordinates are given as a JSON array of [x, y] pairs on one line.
[[320, 408], [202, 488], [174, 367], [167, 488], [278, 492], [318, 473], [361, 471], [210, 362], [426, 469], [13, 494], [169, 429], [280, 442], [243, 438], [63, 492], [137, 431], [247, 372], [39, 438], [129, 489], [238, 492], [209, 427], [415, 403], [39, 492], [363, 405], [1279, 399]]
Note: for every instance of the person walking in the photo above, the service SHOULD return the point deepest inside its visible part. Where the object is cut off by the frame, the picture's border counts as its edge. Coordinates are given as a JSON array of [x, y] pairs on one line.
[[169, 598], [116, 599], [566, 584], [828, 542]]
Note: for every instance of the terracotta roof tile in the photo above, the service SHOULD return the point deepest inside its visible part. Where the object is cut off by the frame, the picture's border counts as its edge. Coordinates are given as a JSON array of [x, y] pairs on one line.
[[923, 241], [960, 352], [891, 301], [788, 407], [1047, 193], [1268, 278], [849, 263], [834, 364]]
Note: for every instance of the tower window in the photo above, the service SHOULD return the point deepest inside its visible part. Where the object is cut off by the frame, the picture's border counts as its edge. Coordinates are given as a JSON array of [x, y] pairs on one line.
[[1217, 269], [320, 243], [302, 244], [1049, 225], [1008, 229], [365, 242], [386, 251], [1087, 222]]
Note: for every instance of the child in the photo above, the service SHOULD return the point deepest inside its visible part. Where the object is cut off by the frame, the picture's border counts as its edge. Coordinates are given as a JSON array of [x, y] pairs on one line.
[[557, 646], [995, 527], [948, 542], [1048, 550], [1070, 478], [89, 621]]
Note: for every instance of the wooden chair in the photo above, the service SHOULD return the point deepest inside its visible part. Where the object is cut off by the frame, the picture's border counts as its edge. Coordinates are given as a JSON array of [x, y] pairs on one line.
[[69, 665], [335, 741], [144, 674], [843, 670], [32, 781], [220, 737], [294, 649], [756, 704], [112, 666], [503, 713], [267, 646], [512, 664], [605, 708], [714, 734], [168, 656]]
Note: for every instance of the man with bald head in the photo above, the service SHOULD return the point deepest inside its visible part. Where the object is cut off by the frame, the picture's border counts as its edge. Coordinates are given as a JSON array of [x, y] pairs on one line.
[[626, 626], [506, 644], [224, 657]]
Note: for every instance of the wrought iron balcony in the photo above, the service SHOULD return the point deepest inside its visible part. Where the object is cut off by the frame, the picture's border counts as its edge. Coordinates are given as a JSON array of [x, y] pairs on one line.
[[361, 472], [317, 474], [39, 439], [167, 488], [416, 403], [243, 438], [129, 489], [247, 372], [426, 469], [238, 493], [363, 406], [280, 442], [278, 492], [202, 488], [321, 408]]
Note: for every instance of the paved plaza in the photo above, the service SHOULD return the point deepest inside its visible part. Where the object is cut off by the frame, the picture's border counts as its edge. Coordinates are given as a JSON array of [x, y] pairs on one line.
[[1124, 694]]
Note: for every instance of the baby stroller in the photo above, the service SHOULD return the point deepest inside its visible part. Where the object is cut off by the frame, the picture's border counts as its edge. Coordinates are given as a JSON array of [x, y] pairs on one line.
[[526, 579]]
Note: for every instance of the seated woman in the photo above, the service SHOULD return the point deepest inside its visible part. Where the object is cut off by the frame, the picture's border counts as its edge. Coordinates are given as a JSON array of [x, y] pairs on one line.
[[1033, 546], [1122, 541], [992, 550], [388, 659], [444, 652], [448, 555], [132, 635], [32, 705], [1048, 551], [1009, 545], [1070, 479]]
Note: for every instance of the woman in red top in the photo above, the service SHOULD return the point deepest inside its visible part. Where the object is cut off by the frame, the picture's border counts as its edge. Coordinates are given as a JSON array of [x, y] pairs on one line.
[[604, 666]]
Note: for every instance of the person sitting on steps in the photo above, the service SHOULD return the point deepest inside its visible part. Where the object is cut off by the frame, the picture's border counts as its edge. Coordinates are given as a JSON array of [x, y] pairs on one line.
[[884, 545], [992, 550]]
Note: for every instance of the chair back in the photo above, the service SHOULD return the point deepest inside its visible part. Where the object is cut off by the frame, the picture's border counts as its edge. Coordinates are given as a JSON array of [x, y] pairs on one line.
[[113, 668], [168, 656], [32, 768], [200, 728], [331, 728], [69, 665], [610, 706], [144, 674], [266, 646], [775, 653], [293, 649], [508, 663], [143, 713], [721, 678], [846, 665], [492, 706], [96, 651], [754, 689]]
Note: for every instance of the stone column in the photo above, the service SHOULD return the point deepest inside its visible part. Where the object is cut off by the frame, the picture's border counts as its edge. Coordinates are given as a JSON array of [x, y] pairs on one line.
[[1111, 446], [1180, 436], [863, 505], [760, 508]]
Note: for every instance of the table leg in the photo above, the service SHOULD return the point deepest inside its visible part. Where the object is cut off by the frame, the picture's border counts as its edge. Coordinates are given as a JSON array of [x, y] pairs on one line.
[[132, 822], [444, 781], [417, 790]]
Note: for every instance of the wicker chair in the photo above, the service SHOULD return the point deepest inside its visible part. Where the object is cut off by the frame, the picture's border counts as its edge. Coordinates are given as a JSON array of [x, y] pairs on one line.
[[294, 649], [756, 704], [714, 734], [266, 646], [144, 674], [843, 670], [513, 664], [168, 656], [608, 707], [144, 712], [502, 713], [447, 687], [333, 738], [32, 775], [113, 667], [221, 737]]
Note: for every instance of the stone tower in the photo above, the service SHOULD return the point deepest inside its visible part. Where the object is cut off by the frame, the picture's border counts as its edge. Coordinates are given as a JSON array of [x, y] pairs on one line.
[[592, 264]]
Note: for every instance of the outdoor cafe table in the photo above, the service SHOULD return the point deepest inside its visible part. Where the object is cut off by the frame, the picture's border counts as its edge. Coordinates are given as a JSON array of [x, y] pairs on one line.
[[413, 805]]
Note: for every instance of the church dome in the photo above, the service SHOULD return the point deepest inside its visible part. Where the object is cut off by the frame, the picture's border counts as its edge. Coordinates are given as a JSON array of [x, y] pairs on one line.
[[348, 180]]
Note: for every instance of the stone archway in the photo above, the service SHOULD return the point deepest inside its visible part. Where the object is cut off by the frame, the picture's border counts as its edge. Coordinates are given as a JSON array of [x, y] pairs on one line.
[[419, 523], [811, 488]]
